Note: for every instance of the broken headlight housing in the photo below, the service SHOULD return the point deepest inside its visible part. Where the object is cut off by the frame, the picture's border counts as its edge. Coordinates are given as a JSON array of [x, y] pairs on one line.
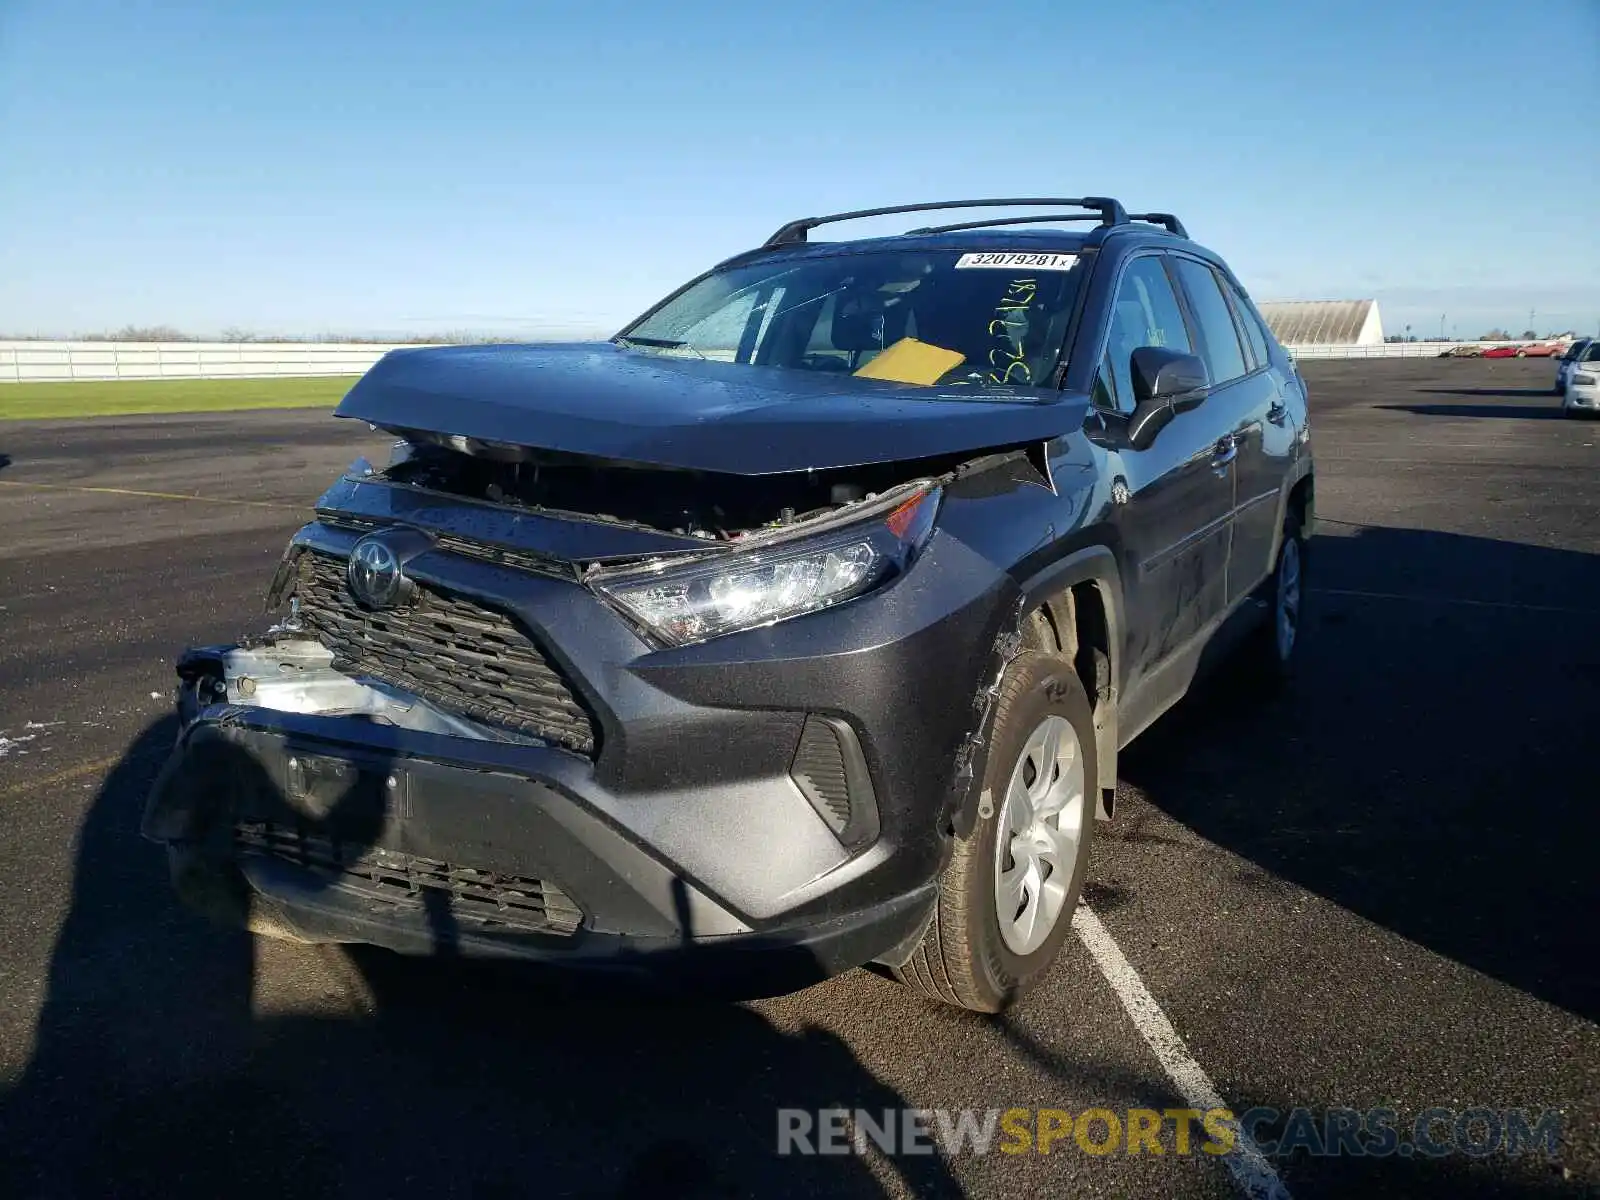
[[784, 575]]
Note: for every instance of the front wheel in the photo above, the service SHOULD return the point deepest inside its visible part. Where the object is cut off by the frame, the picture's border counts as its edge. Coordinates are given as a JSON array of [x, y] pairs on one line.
[[1006, 898]]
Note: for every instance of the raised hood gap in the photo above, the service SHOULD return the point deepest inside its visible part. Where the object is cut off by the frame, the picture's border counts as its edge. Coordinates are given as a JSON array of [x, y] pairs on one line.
[[598, 401]]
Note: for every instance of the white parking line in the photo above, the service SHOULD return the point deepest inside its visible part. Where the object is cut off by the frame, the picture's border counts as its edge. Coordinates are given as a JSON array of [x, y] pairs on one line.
[[1252, 1173]]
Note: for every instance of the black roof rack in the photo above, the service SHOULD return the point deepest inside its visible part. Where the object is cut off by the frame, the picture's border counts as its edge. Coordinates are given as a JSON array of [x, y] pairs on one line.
[[1109, 211], [1172, 224], [1003, 221]]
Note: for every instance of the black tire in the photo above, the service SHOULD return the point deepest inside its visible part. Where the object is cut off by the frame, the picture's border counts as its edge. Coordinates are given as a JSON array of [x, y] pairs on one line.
[[1264, 663], [963, 958]]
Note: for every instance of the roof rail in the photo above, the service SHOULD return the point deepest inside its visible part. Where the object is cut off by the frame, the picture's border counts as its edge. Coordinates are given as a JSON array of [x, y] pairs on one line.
[[1172, 224], [1110, 212], [1003, 221]]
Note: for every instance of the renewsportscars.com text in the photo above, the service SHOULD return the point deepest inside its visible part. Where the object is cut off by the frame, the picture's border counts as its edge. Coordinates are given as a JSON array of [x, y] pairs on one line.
[[1333, 1132]]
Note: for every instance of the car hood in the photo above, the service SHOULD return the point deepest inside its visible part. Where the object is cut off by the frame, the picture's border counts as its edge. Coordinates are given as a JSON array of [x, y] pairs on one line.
[[601, 400]]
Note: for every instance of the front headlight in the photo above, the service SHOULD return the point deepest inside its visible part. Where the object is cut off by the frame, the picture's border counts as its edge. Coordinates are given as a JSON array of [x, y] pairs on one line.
[[1584, 379], [780, 578]]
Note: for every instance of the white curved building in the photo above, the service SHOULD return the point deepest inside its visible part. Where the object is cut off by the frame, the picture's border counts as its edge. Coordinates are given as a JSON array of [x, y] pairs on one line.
[[1324, 322]]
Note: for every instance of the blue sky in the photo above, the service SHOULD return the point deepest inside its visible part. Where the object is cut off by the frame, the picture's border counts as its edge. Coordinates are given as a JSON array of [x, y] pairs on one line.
[[537, 169]]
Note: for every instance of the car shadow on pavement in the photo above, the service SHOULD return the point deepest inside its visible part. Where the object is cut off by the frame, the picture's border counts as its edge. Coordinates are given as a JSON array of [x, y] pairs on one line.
[[162, 1067], [1494, 391], [1431, 765], [1550, 409], [1430, 769]]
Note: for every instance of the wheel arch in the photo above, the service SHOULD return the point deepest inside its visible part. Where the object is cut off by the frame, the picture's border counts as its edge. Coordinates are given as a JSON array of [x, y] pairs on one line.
[[1076, 603], [1298, 496]]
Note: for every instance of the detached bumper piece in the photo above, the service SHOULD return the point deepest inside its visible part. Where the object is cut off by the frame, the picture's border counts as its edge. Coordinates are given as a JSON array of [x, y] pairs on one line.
[[448, 650]]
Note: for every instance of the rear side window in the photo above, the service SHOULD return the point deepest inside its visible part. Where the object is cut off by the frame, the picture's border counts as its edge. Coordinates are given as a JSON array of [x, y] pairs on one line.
[[1253, 332], [1224, 357], [1592, 354], [1145, 313]]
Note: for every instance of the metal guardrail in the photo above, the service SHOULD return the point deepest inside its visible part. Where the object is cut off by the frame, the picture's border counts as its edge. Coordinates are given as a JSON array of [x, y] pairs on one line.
[[27, 362]]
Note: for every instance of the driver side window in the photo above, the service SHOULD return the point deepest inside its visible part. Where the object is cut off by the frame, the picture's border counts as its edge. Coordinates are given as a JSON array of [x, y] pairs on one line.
[[1145, 313]]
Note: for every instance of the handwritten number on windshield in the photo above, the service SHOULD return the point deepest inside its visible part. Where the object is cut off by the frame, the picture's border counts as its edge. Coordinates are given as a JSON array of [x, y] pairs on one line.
[[1010, 324]]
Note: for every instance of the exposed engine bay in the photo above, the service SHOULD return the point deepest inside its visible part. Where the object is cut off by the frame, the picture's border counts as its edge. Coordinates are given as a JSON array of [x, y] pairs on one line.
[[716, 506]]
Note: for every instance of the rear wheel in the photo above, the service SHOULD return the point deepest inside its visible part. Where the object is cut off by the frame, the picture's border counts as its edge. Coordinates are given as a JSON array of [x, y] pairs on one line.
[[1269, 654], [1006, 898]]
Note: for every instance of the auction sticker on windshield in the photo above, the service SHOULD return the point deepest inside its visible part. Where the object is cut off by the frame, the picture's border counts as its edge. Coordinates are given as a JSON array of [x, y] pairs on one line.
[[1010, 259]]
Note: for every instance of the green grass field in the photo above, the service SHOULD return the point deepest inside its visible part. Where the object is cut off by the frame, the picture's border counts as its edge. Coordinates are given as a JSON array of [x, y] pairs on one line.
[[42, 401]]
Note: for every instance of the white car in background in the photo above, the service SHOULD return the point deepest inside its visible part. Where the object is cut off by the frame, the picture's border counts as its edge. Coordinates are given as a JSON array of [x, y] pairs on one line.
[[1564, 363], [1583, 382]]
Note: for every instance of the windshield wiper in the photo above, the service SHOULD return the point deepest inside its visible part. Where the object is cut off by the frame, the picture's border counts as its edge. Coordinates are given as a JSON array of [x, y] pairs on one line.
[[632, 339]]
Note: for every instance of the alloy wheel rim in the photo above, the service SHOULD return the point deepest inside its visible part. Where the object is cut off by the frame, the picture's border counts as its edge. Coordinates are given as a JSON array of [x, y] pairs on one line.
[[1288, 608], [1040, 828]]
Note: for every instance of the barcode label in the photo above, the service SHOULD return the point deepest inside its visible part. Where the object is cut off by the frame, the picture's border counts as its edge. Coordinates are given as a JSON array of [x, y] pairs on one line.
[[1011, 260]]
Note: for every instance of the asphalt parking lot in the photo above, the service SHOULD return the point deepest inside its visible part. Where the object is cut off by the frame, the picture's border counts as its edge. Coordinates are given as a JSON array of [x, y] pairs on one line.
[[1378, 891]]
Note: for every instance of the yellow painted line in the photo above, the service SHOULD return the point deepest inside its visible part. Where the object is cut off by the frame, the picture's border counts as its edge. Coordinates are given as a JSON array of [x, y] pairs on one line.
[[111, 491], [59, 777]]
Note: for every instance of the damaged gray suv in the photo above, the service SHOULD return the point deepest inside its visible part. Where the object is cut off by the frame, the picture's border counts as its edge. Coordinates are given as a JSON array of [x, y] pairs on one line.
[[797, 627]]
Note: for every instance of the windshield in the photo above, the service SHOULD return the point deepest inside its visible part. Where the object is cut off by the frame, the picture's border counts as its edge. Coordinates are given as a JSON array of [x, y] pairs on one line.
[[921, 317]]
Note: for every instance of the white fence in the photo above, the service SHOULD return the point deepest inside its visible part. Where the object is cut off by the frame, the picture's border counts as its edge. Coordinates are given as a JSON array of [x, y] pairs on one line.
[[1382, 350], [22, 362], [1392, 349]]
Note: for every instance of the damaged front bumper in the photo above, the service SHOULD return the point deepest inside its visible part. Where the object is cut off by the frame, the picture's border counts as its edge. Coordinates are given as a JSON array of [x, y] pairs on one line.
[[759, 811], [271, 828]]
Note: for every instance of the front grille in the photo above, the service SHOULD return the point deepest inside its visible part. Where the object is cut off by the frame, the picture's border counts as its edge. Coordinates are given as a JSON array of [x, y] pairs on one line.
[[446, 649], [503, 556], [485, 900]]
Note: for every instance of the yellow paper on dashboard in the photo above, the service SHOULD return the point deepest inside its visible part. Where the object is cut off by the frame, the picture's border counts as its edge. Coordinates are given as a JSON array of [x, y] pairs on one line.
[[911, 361]]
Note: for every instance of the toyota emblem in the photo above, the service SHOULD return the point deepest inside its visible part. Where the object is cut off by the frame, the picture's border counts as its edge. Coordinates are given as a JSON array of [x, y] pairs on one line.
[[374, 574]]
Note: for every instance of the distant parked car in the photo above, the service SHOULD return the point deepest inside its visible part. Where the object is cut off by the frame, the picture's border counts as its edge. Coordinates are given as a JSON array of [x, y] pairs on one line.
[[1501, 352], [1462, 350], [1542, 350], [1583, 383], [1564, 367]]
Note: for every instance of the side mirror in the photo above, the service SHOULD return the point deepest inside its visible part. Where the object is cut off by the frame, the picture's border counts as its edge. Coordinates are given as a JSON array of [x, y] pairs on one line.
[[1165, 382]]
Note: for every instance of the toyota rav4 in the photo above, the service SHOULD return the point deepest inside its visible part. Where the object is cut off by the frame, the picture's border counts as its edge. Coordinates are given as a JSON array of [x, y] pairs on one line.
[[797, 627]]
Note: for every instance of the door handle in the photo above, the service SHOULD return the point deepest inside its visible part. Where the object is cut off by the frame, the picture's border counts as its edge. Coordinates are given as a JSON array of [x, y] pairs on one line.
[[1278, 413], [1227, 451]]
